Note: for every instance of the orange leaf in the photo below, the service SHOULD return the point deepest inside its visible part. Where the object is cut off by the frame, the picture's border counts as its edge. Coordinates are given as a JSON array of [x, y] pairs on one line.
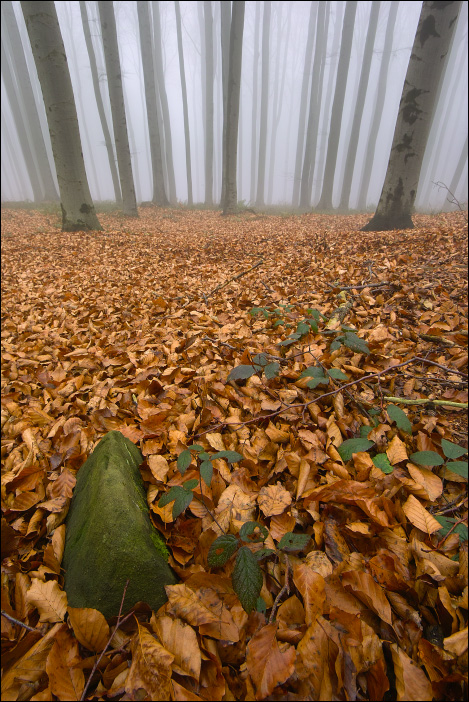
[[311, 586], [370, 593], [50, 600], [267, 665], [66, 679], [419, 517], [396, 451], [203, 607], [90, 627], [150, 669], [181, 640], [273, 499], [411, 682]]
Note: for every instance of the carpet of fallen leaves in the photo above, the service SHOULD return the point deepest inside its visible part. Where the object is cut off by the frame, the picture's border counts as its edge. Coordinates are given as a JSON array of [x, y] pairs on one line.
[[136, 328]]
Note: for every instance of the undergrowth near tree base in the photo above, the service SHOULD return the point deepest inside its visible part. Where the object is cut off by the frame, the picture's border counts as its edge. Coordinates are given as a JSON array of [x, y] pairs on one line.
[[298, 390]]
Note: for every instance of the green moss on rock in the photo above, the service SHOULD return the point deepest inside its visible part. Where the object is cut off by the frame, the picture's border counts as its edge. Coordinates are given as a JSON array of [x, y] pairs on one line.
[[110, 537]]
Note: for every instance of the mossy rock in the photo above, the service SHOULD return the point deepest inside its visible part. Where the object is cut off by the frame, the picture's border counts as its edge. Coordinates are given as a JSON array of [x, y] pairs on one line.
[[110, 537]]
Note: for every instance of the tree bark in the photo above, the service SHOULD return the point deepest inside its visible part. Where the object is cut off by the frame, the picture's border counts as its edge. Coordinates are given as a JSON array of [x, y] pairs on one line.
[[78, 211], [184, 103], [225, 11], [159, 193], [264, 104], [230, 204], [431, 43], [208, 25], [255, 81]]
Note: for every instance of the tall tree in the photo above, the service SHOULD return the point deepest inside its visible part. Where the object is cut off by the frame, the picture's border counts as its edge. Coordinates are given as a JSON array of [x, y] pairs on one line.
[[325, 201], [78, 211], [208, 27], [255, 81], [230, 203], [225, 12], [116, 97], [359, 106], [377, 113], [168, 141], [11, 37], [159, 193], [264, 104], [459, 169], [184, 103], [314, 106], [305, 84], [99, 102], [431, 43]]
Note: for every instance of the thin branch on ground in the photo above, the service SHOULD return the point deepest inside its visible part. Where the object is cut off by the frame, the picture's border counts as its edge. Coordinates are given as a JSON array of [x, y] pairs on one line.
[[17, 621], [285, 589]]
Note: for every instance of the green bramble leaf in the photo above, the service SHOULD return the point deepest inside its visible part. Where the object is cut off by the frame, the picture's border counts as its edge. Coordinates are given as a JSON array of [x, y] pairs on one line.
[[260, 359], [337, 343], [290, 340], [427, 458], [221, 550], [191, 484], [337, 374], [230, 456], [314, 382], [303, 328], [381, 461], [353, 446], [196, 447], [264, 553], [291, 542], [247, 534], [364, 431], [447, 523], [313, 372], [355, 343], [184, 461], [261, 605], [182, 498], [257, 310], [459, 467], [452, 450], [397, 415], [247, 578], [241, 372], [206, 472], [271, 370]]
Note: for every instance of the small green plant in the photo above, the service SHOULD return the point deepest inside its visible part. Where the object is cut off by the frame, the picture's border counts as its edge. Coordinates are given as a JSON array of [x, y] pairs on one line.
[[247, 575]]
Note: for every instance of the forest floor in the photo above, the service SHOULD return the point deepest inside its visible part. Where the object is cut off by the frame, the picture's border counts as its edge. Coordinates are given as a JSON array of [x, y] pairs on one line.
[[349, 414]]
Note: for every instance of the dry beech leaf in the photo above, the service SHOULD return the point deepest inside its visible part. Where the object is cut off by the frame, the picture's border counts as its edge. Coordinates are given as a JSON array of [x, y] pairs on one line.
[[419, 517], [268, 665], [431, 483], [66, 677], [456, 643], [203, 607], [151, 667], [181, 640], [369, 592], [311, 586], [273, 499], [50, 600], [396, 451], [411, 682], [90, 627]]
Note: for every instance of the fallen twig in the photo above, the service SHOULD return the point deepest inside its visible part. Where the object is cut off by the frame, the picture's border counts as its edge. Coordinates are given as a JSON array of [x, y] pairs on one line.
[[361, 287], [235, 277], [285, 589], [425, 401], [17, 621]]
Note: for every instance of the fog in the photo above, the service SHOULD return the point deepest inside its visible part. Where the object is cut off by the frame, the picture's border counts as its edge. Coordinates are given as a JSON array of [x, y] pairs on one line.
[[288, 39]]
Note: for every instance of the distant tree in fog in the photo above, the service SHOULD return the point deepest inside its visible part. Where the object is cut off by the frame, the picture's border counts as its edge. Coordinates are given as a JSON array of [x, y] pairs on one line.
[[184, 103], [49, 55], [12, 39], [432, 40], [325, 201], [208, 29], [116, 97], [264, 105], [230, 203], [255, 81], [459, 169], [225, 20], [159, 193]]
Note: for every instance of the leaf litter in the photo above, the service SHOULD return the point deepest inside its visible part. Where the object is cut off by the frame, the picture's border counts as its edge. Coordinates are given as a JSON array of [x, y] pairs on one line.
[[348, 412]]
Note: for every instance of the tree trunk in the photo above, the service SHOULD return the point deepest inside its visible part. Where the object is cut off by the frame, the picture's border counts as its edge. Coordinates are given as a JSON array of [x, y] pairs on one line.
[[116, 97], [49, 55], [255, 81], [359, 106], [208, 25], [459, 169], [325, 201], [99, 103], [168, 141], [12, 37], [184, 103], [431, 43], [264, 105], [230, 204], [225, 10], [304, 103], [370, 149], [159, 193]]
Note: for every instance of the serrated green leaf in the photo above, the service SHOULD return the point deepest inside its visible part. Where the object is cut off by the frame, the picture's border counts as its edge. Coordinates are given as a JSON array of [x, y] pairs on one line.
[[447, 523], [336, 344], [261, 605], [206, 472], [303, 328], [241, 372], [262, 310], [313, 372], [427, 458], [290, 340], [169, 497], [271, 370], [263, 553], [364, 431], [291, 542], [381, 461], [353, 446], [230, 456], [355, 343], [204, 456], [191, 484], [459, 467], [247, 578], [246, 532], [261, 359], [337, 374], [182, 501], [397, 415], [184, 461], [314, 382], [314, 313], [221, 550], [279, 323], [196, 447], [452, 450]]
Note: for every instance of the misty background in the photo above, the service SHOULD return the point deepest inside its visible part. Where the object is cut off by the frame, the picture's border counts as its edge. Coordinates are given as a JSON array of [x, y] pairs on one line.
[[447, 145]]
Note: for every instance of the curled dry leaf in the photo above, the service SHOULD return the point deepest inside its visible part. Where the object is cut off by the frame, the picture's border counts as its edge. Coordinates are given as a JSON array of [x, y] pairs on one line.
[[273, 499], [268, 665]]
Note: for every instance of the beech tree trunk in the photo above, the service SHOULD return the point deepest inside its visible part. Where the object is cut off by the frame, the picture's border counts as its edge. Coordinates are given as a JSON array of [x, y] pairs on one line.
[[184, 103], [78, 211], [208, 26], [264, 104], [431, 43]]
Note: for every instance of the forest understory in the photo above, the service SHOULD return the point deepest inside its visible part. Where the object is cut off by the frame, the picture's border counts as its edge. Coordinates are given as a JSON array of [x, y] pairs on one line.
[[344, 336]]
